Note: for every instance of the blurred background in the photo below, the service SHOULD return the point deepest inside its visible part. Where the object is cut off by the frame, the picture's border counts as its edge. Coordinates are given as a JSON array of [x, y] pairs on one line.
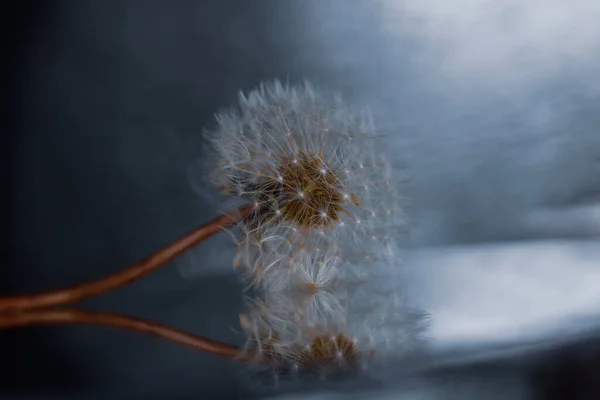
[[491, 109]]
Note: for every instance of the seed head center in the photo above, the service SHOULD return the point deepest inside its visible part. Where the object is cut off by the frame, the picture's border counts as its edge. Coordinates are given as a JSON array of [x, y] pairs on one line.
[[327, 350], [311, 193]]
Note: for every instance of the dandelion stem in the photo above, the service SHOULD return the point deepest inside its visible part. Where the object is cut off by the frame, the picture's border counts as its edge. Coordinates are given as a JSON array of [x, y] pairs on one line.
[[126, 276], [82, 317]]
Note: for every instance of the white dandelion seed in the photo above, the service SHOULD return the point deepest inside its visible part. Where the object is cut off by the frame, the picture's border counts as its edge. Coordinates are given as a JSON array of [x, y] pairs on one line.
[[303, 160]]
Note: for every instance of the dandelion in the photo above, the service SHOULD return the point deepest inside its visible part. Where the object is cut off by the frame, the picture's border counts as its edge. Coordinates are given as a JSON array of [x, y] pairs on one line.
[[381, 327], [304, 161]]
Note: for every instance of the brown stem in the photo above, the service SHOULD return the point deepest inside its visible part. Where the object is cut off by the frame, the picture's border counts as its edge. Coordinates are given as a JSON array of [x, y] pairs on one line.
[[81, 317], [99, 286]]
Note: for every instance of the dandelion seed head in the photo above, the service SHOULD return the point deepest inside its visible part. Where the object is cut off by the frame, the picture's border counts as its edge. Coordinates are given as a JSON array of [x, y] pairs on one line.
[[292, 146], [307, 161]]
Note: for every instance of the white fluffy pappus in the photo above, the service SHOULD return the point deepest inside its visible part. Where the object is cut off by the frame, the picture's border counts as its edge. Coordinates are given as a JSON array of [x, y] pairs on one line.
[[365, 332], [307, 162]]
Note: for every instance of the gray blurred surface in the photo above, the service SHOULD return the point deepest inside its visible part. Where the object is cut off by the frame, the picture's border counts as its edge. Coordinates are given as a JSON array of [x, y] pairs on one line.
[[492, 111]]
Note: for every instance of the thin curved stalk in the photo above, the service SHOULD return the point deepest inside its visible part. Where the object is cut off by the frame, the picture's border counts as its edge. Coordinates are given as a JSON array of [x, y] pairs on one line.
[[82, 317], [111, 282]]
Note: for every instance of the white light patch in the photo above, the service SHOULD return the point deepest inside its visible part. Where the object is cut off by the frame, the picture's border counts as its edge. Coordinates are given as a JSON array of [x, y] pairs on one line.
[[501, 42], [506, 291]]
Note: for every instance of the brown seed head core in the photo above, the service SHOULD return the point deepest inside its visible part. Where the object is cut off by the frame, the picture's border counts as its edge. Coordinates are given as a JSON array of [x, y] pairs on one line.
[[330, 350], [311, 193], [325, 351], [305, 191]]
